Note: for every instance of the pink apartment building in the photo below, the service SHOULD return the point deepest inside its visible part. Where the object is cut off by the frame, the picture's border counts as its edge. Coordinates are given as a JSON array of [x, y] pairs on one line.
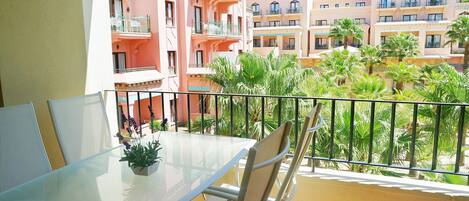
[[166, 46], [302, 26]]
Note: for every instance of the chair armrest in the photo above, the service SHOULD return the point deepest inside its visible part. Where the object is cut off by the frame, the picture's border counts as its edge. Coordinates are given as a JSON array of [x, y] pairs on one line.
[[225, 190], [221, 194]]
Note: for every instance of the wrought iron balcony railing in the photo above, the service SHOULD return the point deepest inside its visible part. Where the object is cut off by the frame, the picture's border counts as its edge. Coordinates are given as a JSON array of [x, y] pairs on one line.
[[409, 4], [140, 24], [348, 137], [387, 5], [436, 2], [294, 10], [274, 11]]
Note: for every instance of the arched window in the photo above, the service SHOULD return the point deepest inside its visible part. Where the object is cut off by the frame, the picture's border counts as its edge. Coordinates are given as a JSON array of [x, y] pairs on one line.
[[295, 4], [274, 7], [255, 8]]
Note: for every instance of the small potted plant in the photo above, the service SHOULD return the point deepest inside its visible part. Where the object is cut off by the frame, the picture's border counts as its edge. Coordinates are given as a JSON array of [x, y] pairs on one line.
[[143, 159]]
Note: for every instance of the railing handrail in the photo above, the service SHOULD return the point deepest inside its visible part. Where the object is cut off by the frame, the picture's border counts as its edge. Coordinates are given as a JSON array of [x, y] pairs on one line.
[[302, 97], [134, 69]]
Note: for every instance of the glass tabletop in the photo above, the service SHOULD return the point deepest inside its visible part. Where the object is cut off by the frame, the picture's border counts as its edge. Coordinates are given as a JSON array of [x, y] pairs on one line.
[[190, 164]]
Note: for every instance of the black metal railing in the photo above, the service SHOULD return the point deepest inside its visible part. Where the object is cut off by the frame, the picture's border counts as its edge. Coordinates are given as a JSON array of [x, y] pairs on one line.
[[436, 2], [257, 13], [321, 46], [409, 4], [274, 11], [289, 47], [351, 126], [278, 24], [294, 10], [387, 5]]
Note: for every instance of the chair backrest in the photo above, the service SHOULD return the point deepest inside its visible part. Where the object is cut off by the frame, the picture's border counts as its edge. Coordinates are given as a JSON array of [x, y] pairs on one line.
[[311, 125], [81, 126], [22, 154], [263, 164]]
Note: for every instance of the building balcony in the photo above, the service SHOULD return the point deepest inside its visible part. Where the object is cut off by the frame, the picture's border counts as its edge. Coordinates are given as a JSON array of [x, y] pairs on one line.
[[274, 11], [350, 158], [321, 46], [389, 5], [294, 10], [410, 4], [131, 27], [199, 69], [215, 30], [257, 13], [436, 3], [415, 21], [277, 25]]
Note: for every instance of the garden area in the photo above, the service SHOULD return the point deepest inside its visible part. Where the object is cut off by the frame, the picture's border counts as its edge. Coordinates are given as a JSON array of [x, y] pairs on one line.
[[370, 115]]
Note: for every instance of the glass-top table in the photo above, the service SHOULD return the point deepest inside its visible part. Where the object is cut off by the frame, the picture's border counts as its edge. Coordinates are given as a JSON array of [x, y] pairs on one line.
[[190, 164]]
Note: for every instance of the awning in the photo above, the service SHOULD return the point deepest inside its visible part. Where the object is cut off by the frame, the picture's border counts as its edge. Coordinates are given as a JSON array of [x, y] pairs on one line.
[[137, 77]]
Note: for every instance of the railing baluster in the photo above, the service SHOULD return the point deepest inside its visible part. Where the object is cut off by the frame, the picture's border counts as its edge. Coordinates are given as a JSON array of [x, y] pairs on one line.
[[189, 113], [202, 104], [162, 107], [352, 119], [216, 115], [128, 107], [175, 112], [391, 134], [332, 130], [231, 117], [414, 136], [297, 113], [263, 116], [372, 130], [460, 139], [246, 114], [139, 115], [435, 137], [119, 118], [152, 117], [279, 112]]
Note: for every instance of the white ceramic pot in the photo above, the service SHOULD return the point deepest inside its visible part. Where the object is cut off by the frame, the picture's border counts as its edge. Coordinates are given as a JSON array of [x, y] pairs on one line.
[[146, 170]]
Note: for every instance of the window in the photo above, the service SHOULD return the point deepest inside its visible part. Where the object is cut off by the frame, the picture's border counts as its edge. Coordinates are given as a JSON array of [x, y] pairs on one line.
[[321, 22], [337, 5], [337, 43], [435, 17], [169, 13], [255, 8], [347, 4], [257, 42], [460, 45], [324, 6], [433, 41], [119, 61], [115, 7], [409, 18], [198, 19], [272, 42], [274, 23], [360, 20], [293, 22], [383, 39], [291, 44], [172, 62], [274, 8], [410, 3], [294, 6], [385, 18], [257, 24], [321, 43], [199, 58], [240, 24], [360, 4]]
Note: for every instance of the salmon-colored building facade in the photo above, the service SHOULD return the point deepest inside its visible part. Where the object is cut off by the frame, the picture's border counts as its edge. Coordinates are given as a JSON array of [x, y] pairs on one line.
[[302, 27], [166, 46]]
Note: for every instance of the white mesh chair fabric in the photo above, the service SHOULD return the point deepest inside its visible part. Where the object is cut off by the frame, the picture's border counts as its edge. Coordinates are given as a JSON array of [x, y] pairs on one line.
[[81, 126], [22, 154]]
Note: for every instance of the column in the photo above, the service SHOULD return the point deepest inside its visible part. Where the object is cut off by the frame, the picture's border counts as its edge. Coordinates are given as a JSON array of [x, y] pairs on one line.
[[280, 42], [262, 40], [422, 39]]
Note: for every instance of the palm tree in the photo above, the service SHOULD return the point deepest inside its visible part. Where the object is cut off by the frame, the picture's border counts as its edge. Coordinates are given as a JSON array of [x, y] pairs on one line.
[[341, 65], [271, 75], [368, 87], [459, 33], [346, 30], [371, 56], [402, 73], [401, 45]]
